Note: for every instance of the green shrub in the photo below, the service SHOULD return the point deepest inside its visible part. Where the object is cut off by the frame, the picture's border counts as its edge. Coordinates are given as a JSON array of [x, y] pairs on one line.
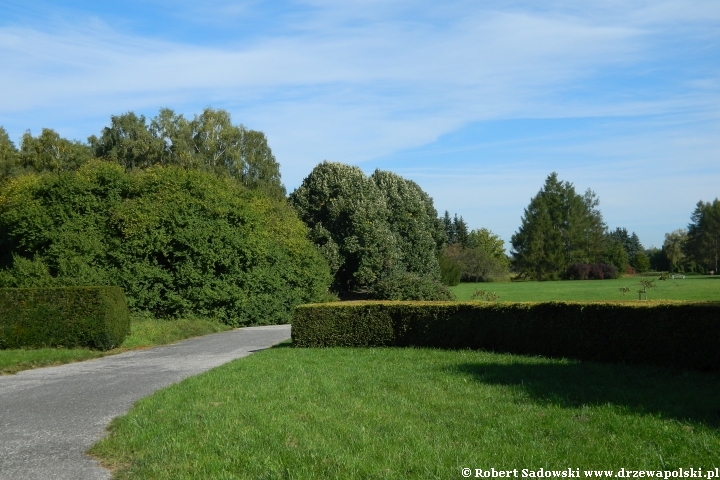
[[676, 334], [409, 286], [450, 271], [178, 242], [94, 317]]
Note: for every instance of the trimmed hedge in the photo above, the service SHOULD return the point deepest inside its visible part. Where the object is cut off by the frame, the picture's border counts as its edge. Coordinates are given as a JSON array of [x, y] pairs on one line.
[[94, 317], [675, 334]]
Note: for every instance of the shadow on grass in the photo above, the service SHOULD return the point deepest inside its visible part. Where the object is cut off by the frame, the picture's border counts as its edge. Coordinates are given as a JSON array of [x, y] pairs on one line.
[[673, 394]]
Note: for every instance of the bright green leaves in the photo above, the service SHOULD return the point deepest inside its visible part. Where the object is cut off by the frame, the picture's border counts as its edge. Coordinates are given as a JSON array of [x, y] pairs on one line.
[[49, 152], [129, 142], [209, 142], [178, 241]]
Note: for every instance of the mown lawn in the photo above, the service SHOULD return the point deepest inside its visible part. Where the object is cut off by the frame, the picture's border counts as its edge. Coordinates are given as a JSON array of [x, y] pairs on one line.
[[691, 288], [144, 332], [414, 413]]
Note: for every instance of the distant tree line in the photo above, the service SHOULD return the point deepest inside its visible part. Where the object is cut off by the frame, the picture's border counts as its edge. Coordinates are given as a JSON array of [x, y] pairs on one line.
[[472, 256], [563, 235], [695, 249], [209, 142], [190, 217]]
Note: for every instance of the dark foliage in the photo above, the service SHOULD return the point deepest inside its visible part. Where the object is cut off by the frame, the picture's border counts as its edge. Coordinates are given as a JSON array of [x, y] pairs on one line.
[[450, 270], [672, 334], [583, 271], [559, 228], [93, 317], [409, 286]]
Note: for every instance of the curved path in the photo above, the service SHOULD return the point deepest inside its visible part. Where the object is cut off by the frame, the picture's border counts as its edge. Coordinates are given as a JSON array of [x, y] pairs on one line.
[[50, 416]]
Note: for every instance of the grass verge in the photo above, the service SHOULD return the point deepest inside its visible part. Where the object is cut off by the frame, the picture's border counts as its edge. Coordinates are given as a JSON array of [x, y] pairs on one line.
[[144, 332], [414, 413]]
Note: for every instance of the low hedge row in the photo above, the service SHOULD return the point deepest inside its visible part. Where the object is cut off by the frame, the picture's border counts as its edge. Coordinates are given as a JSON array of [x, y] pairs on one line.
[[94, 317], [676, 334]]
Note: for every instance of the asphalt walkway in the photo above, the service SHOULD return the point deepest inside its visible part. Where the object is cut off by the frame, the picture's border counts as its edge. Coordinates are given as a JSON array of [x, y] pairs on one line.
[[50, 416]]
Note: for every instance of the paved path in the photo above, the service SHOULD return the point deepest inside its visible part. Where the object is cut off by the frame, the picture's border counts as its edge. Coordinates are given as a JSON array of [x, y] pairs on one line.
[[50, 416]]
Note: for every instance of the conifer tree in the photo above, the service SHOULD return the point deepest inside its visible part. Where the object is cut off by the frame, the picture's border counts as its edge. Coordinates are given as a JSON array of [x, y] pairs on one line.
[[703, 241], [450, 234], [461, 230], [559, 227]]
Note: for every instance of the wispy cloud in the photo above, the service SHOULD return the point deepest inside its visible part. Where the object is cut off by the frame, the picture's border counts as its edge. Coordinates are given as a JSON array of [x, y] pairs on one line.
[[371, 82]]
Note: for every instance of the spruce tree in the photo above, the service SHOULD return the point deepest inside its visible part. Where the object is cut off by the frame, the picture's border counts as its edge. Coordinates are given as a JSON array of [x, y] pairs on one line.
[[461, 230], [703, 240], [450, 234], [559, 228]]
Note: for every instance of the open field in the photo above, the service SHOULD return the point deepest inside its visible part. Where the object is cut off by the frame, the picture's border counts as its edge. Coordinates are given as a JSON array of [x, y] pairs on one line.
[[144, 332], [414, 413], [691, 288]]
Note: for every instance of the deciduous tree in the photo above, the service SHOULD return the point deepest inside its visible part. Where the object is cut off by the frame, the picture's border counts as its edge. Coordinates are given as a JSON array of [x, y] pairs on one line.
[[347, 216], [49, 152], [674, 246], [413, 220], [9, 156], [208, 142], [178, 241]]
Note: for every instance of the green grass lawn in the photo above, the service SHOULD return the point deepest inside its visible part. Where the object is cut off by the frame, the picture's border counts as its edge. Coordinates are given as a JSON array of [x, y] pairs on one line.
[[144, 332], [414, 413], [690, 288]]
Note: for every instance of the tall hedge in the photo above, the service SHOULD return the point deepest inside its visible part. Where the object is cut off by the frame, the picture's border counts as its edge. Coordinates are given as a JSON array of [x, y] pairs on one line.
[[95, 317], [678, 334], [178, 242]]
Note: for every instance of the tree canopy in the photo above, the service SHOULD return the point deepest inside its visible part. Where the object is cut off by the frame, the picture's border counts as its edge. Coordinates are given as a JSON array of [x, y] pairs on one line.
[[412, 219], [346, 214], [208, 142], [703, 235], [456, 229], [9, 156], [559, 228], [178, 241], [674, 247], [481, 258], [369, 227], [632, 247]]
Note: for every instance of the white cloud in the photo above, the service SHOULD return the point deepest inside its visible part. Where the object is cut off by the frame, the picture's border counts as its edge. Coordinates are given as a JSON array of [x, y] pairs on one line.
[[358, 81], [366, 90]]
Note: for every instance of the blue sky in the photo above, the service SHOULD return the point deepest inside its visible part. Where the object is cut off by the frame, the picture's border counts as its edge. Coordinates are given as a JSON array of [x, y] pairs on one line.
[[477, 101]]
